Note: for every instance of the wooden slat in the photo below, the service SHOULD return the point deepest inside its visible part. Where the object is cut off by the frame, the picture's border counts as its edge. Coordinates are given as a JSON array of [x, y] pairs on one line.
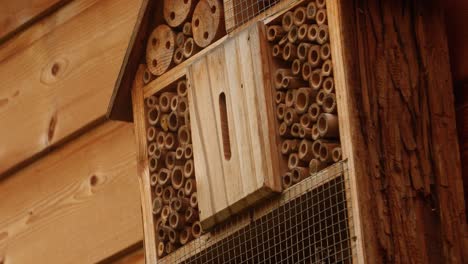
[[16, 15], [61, 79], [80, 204], [137, 257]]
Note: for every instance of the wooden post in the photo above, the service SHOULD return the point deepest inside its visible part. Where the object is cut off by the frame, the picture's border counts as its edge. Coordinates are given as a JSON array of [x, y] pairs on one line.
[[397, 125]]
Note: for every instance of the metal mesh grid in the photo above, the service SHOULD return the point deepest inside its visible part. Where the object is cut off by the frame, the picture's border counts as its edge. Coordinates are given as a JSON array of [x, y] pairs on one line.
[[238, 12], [311, 222]]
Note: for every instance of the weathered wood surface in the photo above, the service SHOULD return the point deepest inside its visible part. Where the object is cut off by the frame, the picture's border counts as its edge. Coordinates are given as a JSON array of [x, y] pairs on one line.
[[57, 76], [80, 204], [402, 123], [17, 15], [233, 171]]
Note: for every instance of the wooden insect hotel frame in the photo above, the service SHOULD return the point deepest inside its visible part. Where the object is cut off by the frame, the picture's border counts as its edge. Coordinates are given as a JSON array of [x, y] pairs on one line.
[[251, 147]]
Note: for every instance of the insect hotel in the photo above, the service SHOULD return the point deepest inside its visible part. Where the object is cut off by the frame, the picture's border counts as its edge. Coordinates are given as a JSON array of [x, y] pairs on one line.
[[261, 129]]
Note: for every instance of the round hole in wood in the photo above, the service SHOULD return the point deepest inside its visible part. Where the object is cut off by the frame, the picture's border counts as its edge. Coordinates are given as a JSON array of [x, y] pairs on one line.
[[197, 22], [172, 15], [213, 9], [186, 1], [154, 62], [206, 35], [55, 69], [154, 41], [168, 44], [93, 180]]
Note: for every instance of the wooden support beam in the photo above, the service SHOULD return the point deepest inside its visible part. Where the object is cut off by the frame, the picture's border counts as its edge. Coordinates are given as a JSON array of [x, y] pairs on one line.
[[402, 146]]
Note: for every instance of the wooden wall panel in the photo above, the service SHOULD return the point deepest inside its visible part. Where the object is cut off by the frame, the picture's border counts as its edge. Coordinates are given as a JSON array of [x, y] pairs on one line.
[[62, 77], [80, 204]]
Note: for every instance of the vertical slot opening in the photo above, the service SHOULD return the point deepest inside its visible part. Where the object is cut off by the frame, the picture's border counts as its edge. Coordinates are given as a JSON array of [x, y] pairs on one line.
[[224, 126]]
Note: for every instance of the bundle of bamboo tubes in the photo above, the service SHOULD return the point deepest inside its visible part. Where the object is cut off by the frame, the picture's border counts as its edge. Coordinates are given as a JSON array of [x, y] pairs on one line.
[[170, 160], [306, 107], [189, 26]]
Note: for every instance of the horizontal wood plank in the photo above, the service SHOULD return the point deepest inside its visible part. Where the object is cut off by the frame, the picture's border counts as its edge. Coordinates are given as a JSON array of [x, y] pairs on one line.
[[80, 204], [61, 77]]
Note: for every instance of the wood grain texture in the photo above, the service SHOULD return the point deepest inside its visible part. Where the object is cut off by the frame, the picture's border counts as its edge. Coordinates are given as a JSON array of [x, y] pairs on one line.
[[80, 204], [17, 15], [62, 74], [137, 257], [231, 182], [402, 127]]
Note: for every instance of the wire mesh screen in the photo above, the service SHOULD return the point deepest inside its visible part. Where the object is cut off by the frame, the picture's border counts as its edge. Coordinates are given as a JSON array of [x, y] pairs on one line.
[[311, 222], [238, 12]]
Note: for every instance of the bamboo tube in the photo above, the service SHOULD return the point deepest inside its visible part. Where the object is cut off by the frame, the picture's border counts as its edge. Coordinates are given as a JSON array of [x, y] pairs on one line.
[[326, 152], [312, 33], [313, 56], [153, 164], [160, 139], [180, 40], [321, 17], [187, 118], [299, 16], [325, 52], [170, 142], [161, 253], [158, 153], [182, 109], [305, 152], [320, 96], [165, 101], [302, 32], [190, 187], [316, 79], [279, 75], [170, 160], [299, 173], [316, 145], [188, 151], [161, 233], [187, 29], [327, 68], [305, 132], [288, 21], [164, 122], [284, 40], [196, 229], [179, 55], [158, 190], [186, 235], [315, 132], [163, 177], [296, 67], [177, 177], [286, 180], [190, 48], [173, 236], [176, 221], [194, 200], [181, 193], [295, 129], [279, 97], [303, 99], [336, 154], [184, 135], [294, 161], [290, 97], [153, 179], [166, 211], [274, 33], [290, 116], [182, 88], [329, 103], [306, 71], [151, 101], [179, 153], [289, 52], [290, 82], [153, 115], [316, 165], [311, 11], [191, 215], [150, 133], [277, 52], [321, 3], [289, 146], [322, 35], [152, 149], [157, 205], [302, 50], [328, 125], [292, 34], [147, 76], [285, 131], [188, 169], [314, 112], [180, 204], [160, 49], [169, 248], [306, 120], [328, 85], [173, 120]]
